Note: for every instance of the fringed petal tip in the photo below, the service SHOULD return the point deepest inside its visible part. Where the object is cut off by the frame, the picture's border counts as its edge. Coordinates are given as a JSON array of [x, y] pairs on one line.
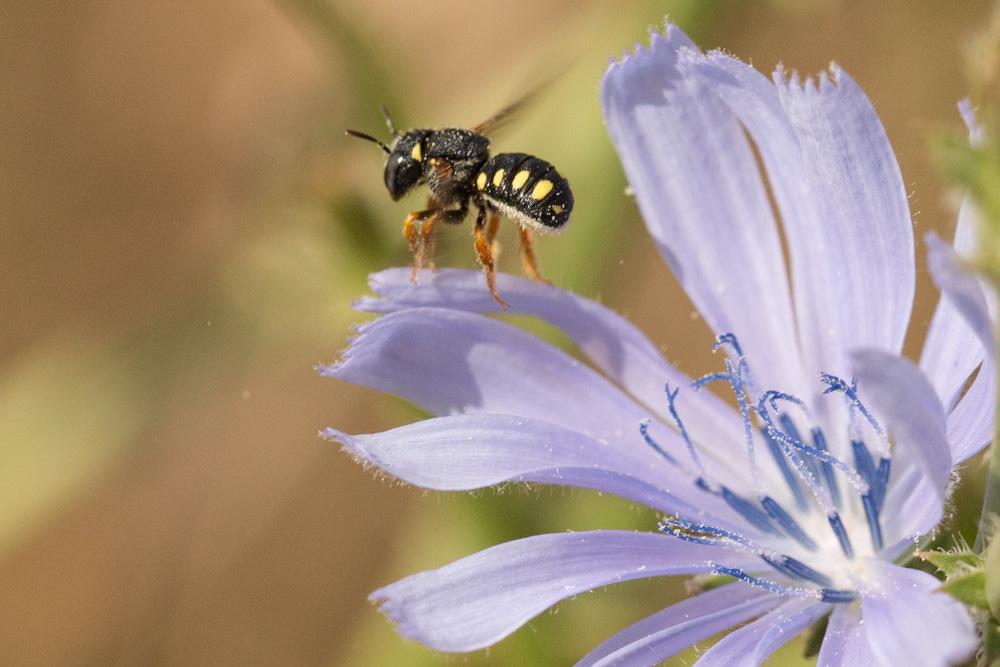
[[334, 369], [395, 610], [827, 81], [350, 445], [333, 435], [366, 304], [657, 37]]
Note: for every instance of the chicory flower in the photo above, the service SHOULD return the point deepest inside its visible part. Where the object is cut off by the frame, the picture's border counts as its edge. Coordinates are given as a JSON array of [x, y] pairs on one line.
[[836, 461]]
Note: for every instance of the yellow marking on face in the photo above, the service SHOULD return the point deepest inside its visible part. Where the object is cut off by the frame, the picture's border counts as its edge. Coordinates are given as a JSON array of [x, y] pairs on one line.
[[498, 178], [542, 188], [520, 178], [415, 153], [481, 180], [556, 208]]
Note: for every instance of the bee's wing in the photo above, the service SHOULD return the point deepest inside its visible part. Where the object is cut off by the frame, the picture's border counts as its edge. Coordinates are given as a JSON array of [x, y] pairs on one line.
[[500, 118]]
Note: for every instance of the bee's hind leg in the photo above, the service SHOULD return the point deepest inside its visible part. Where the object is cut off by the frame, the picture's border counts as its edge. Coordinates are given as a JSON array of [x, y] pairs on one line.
[[485, 254], [528, 261], [491, 236]]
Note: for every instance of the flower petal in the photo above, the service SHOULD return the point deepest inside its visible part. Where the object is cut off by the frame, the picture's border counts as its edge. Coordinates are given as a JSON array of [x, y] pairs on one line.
[[961, 287], [971, 424], [610, 341], [664, 634], [845, 644], [897, 392], [753, 643], [855, 260], [468, 452], [451, 362], [702, 197], [837, 186], [908, 622], [952, 350], [480, 599]]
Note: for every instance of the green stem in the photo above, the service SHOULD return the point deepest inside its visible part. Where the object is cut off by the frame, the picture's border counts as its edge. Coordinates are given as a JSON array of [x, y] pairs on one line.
[[991, 495]]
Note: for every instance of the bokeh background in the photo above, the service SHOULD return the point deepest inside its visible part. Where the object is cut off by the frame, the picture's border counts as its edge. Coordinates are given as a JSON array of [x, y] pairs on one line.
[[184, 226]]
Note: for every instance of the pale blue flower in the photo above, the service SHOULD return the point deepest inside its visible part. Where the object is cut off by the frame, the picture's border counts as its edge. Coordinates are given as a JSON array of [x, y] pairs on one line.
[[837, 463]]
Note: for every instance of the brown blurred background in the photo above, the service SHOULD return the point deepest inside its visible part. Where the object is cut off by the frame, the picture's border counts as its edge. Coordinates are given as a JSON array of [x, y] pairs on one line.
[[183, 228]]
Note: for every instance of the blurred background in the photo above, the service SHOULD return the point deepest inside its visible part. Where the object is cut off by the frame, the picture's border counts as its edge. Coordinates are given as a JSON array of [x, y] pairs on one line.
[[184, 226]]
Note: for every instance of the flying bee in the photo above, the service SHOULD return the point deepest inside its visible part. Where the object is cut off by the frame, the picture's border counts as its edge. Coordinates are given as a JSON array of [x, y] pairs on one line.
[[456, 166]]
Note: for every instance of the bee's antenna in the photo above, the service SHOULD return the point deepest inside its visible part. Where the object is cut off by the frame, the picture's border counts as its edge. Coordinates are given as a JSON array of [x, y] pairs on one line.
[[388, 121], [368, 137]]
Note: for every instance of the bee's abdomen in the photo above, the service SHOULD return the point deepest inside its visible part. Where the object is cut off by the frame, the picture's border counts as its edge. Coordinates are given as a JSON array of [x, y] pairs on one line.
[[526, 189]]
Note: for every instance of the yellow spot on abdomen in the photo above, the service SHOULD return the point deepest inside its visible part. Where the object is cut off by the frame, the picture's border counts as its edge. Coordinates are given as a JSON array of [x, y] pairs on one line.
[[481, 180], [520, 178], [556, 208], [498, 178], [415, 153], [542, 188]]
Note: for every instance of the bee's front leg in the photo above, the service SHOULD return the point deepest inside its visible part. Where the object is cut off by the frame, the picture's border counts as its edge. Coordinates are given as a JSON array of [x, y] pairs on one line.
[[416, 237]]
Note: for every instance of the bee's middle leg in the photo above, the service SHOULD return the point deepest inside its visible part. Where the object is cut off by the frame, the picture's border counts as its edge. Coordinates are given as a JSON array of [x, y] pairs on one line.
[[485, 254]]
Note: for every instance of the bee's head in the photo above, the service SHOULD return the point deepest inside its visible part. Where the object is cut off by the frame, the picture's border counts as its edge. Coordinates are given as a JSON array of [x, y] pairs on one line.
[[404, 167]]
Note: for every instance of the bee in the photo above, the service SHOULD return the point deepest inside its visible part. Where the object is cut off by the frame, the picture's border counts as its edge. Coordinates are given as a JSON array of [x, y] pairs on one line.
[[457, 168]]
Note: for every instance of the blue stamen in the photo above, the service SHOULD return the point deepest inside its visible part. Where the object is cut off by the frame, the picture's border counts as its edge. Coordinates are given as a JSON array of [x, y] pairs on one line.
[[882, 482], [728, 338], [771, 397], [851, 392], [786, 471], [788, 524], [789, 426], [708, 379], [863, 462], [746, 509], [676, 523], [837, 596], [789, 451], [736, 383], [819, 440], [793, 432], [791, 445], [674, 531], [874, 526], [692, 452], [644, 431], [798, 569], [771, 586], [838, 529]]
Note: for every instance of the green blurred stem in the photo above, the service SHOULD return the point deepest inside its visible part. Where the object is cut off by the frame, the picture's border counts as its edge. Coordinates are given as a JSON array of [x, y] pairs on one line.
[[991, 496]]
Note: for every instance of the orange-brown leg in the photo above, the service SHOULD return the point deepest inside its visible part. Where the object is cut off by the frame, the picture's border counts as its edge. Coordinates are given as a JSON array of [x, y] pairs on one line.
[[528, 256], [416, 238], [428, 243], [485, 254], [491, 236]]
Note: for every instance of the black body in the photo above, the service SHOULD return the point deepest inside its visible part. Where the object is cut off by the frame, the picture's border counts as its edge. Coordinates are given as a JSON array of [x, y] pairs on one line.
[[456, 166], [527, 189]]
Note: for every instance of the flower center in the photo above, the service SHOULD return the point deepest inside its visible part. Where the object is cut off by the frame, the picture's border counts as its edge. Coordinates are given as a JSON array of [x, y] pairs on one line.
[[803, 507]]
